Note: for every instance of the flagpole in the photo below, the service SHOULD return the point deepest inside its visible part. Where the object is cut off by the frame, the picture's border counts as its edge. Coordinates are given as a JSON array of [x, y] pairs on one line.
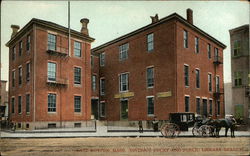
[[69, 47]]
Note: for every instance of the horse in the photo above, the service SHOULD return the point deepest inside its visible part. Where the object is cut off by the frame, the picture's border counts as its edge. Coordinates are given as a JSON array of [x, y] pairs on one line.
[[228, 123]]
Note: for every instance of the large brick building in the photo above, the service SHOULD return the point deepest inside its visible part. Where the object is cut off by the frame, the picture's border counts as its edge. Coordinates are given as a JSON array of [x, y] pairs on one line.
[[167, 66], [49, 85], [240, 64]]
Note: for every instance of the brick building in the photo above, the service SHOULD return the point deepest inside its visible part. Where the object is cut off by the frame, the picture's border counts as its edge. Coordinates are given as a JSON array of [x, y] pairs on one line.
[[49, 85], [3, 100], [167, 66], [240, 66]]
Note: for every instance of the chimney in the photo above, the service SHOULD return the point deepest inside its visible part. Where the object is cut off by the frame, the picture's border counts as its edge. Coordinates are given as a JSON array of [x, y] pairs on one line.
[[15, 29], [154, 18], [190, 16], [84, 29]]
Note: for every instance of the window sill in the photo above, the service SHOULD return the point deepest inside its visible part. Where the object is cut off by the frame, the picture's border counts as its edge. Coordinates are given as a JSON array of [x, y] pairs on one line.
[[77, 85], [77, 113], [52, 113], [186, 86], [125, 91], [151, 115], [150, 87]]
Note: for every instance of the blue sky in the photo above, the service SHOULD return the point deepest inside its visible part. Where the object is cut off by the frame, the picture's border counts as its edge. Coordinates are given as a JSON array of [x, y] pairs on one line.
[[111, 19]]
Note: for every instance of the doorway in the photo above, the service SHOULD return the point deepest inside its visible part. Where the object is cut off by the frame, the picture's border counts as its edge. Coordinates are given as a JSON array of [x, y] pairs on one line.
[[204, 102], [124, 109], [94, 108]]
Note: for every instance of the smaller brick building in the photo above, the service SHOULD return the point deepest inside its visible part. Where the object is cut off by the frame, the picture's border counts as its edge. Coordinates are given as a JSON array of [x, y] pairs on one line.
[[49, 81], [167, 66]]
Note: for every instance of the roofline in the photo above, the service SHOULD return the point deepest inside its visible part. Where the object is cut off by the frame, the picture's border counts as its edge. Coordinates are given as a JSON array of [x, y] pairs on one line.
[[239, 28], [49, 25], [165, 19]]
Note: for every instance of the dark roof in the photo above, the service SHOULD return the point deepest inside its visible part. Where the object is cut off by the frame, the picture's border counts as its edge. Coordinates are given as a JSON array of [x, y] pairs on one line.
[[246, 26], [165, 19], [51, 25]]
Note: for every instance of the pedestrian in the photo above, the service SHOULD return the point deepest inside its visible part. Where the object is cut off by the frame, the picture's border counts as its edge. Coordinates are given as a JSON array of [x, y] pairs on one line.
[[155, 123], [140, 127]]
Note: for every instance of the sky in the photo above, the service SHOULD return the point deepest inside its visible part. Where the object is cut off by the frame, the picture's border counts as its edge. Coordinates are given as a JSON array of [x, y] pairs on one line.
[[111, 19]]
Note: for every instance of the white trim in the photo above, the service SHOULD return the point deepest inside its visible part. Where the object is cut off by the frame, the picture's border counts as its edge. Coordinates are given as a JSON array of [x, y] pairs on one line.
[[150, 96], [187, 95], [204, 97], [120, 84], [100, 86], [51, 32]]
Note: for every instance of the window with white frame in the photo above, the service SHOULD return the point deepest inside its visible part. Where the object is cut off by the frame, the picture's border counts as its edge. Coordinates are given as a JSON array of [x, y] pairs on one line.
[[27, 72], [51, 42], [51, 102], [197, 74], [150, 102], [13, 105], [13, 53], [216, 53], [150, 77], [209, 82], [197, 45], [123, 79], [123, 51], [77, 75], [217, 82], [187, 101], [102, 59], [102, 109], [150, 42], [19, 106], [198, 105], [27, 103], [77, 103], [28, 43], [102, 86], [209, 51], [185, 38], [51, 71], [93, 82], [186, 75], [20, 75], [77, 49]]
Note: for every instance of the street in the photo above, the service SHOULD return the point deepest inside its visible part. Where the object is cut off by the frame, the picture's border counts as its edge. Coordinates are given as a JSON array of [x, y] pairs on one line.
[[126, 146]]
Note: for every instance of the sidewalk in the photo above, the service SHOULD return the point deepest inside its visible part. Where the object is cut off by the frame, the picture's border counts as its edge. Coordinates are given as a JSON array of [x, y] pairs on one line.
[[101, 131]]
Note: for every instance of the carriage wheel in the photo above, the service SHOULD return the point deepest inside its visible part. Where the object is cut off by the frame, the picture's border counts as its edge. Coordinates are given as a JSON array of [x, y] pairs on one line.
[[195, 131], [170, 130], [205, 131]]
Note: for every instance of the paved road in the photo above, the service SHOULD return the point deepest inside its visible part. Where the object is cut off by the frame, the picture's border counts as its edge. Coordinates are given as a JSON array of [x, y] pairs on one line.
[[126, 146]]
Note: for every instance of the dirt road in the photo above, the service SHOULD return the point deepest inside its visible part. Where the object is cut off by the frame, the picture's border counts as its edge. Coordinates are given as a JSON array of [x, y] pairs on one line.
[[125, 146]]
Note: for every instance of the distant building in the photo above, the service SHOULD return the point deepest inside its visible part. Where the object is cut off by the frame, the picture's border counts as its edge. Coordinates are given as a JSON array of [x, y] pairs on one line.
[[4, 100], [240, 66], [167, 66], [49, 86], [228, 98]]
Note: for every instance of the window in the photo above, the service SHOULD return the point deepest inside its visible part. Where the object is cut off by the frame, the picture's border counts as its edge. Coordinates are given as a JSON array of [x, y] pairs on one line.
[[102, 109], [238, 79], [209, 51], [187, 103], [20, 48], [12, 105], [20, 73], [186, 75], [236, 48], [216, 53], [211, 107], [77, 75], [123, 82], [27, 72], [150, 102], [77, 49], [13, 78], [196, 45], [28, 43], [51, 71], [210, 82], [185, 34], [77, 103], [92, 61], [102, 86], [198, 105], [19, 104], [52, 125], [217, 81], [93, 82], [51, 42], [150, 42], [204, 105], [51, 102], [77, 125], [102, 59], [13, 53], [197, 73], [218, 107], [27, 103], [123, 49], [150, 77]]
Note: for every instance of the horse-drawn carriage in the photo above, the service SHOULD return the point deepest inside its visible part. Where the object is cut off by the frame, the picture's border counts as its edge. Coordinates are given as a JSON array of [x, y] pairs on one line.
[[201, 127]]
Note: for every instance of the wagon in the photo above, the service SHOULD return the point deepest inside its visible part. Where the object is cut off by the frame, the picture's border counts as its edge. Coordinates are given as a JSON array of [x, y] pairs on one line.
[[178, 122]]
